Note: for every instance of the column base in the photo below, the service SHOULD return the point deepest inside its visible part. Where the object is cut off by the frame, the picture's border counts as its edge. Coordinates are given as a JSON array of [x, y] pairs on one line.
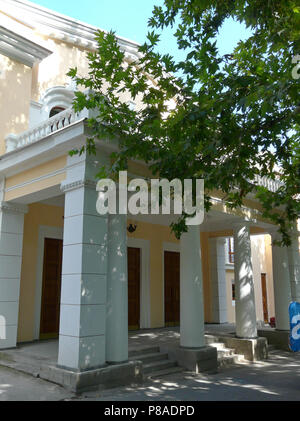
[[252, 349], [198, 360], [102, 378], [279, 338]]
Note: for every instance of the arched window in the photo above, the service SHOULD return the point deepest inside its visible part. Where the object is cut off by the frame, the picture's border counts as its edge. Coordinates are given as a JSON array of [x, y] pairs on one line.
[[55, 110]]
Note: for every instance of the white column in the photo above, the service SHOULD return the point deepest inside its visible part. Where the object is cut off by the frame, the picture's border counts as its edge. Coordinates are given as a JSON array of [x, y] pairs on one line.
[[218, 280], [84, 277], [84, 272], [281, 282], [191, 290], [294, 265], [117, 291], [244, 284], [11, 247]]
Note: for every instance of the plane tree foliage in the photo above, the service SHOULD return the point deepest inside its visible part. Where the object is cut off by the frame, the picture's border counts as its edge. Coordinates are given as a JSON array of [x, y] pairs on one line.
[[225, 119]]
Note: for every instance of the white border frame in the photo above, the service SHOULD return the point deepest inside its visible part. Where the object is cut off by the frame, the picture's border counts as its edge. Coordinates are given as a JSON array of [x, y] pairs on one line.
[[55, 233], [145, 312], [175, 248]]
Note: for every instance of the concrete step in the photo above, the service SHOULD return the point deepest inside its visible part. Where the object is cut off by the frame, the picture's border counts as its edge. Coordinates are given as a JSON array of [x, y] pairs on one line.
[[218, 345], [211, 339], [229, 360], [165, 372], [143, 350], [226, 356], [148, 358], [158, 366], [226, 352]]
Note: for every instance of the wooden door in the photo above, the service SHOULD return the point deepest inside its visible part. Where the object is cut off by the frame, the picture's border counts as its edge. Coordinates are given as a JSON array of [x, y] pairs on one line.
[[50, 310], [134, 275], [265, 297], [172, 288]]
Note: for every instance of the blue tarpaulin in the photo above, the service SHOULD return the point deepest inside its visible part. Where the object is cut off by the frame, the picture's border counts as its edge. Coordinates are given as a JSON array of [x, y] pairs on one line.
[[295, 326]]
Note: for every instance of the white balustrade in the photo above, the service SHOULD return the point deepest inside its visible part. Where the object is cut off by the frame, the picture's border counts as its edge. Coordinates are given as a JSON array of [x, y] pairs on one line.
[[268, 183], [68, 117], [53, 124]]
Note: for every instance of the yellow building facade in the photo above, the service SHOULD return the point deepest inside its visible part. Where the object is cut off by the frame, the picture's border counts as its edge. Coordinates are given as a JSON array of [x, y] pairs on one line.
[[47, 230]]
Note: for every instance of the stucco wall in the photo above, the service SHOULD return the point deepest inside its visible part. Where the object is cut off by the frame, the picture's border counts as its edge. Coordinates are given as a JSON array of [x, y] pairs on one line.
[[230, 303], [15, 95], [41, 177], [39, 214], [157, 235]]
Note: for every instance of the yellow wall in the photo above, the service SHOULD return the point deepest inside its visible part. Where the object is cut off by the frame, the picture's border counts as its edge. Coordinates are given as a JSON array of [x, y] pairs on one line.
[[15, 93], [63, 58], [36, 179], [39, 214], [269, 271], [157, 235], [230, 305]]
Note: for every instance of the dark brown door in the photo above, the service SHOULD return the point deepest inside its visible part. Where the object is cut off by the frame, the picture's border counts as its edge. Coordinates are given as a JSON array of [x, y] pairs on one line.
[[265, 296], [50, 310], [172, 288], [134, 271]]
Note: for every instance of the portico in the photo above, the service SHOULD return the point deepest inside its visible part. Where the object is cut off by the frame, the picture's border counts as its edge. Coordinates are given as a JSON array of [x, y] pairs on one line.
[[60, 197]]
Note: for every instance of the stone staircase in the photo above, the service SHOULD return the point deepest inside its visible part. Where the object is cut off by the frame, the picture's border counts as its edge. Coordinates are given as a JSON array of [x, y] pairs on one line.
[[155, 363], [226, 356]]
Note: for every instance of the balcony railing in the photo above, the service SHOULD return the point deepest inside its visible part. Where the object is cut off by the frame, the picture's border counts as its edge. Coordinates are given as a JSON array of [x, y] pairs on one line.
[[268, 183], [44, 129], [67, 118]]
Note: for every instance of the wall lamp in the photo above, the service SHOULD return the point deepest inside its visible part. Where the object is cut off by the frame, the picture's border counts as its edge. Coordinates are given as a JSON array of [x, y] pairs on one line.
[[131, 228]]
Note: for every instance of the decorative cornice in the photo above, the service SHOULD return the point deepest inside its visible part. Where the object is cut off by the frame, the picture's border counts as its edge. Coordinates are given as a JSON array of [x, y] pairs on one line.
[[68, 185], [13, 207], [60, 27], [20, 48]]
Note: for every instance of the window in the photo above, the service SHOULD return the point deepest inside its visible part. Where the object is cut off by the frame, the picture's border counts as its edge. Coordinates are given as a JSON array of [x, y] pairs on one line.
[[56, 110], [233, 290], [230, 250], [53, 112]]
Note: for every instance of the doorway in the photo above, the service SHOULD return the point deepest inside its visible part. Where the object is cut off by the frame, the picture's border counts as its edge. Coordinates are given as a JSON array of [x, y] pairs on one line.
[[172, 288], [134, 280], [51, 289], [264, 297]]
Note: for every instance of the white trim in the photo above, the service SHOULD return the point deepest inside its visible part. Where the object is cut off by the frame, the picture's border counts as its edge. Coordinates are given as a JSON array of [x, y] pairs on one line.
[[58, 26], [35, 180], [20, 48], [175, 248], [144, 245], [44, 232]]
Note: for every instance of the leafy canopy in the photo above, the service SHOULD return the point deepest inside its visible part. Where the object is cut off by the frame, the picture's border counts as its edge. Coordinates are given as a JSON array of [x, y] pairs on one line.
[[226, 119]]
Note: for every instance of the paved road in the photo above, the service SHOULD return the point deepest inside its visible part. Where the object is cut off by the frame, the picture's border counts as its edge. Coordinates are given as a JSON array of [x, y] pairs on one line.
[[275, 380]]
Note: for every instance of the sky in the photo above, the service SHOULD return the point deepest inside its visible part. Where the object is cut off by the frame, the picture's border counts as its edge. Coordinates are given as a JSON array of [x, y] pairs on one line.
[[129, 20]]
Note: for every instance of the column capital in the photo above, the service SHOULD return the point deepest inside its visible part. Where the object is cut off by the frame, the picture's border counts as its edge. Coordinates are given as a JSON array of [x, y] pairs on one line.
[[70, 185], [241, 224], [13, 207]]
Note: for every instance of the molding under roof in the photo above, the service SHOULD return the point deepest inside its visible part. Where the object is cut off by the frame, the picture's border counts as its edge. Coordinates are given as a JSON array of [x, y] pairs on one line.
[[20, 48], [58, 26]]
